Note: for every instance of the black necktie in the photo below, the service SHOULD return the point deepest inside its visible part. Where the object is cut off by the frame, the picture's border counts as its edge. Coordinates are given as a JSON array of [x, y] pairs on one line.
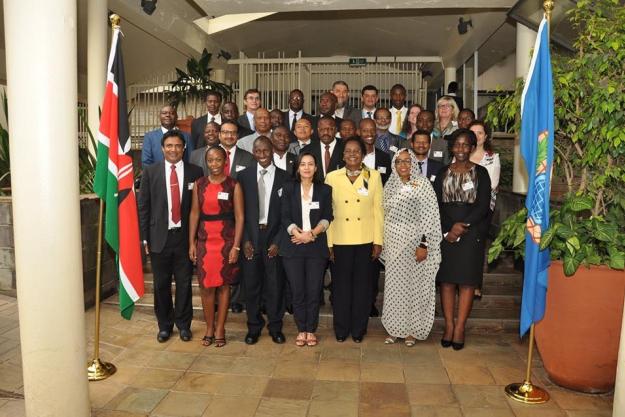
[[420, 167], [293, 124]]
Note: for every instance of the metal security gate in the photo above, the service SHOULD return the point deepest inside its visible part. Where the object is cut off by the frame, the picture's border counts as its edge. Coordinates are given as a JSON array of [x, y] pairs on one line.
[[276, 77]]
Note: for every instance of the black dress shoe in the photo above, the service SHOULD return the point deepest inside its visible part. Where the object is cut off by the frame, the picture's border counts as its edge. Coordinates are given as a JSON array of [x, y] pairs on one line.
[[236, 307], [289, 309], [357, 339], [185, 335], [251, 338], [163, 336], [457, 346], [374, 312], [278, 337], [340, 339], [445, 343]]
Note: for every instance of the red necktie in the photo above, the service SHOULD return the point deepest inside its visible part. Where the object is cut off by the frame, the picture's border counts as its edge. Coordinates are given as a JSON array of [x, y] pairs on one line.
[[227, 166], [175, 195], [327, 157]]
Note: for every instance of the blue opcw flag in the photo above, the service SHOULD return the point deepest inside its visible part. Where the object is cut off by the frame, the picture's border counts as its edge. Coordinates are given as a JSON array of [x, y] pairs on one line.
[[537, 125]]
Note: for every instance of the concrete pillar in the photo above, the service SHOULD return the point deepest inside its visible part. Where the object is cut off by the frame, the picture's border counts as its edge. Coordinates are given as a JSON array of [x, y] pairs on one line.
[[525, 39], [46, 208], [97, 31], [619, 388], [450, 75], [219, 75]]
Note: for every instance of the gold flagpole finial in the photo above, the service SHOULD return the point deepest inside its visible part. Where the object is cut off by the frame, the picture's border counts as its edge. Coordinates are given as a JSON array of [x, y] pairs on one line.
[[115, 19], [548, 7]]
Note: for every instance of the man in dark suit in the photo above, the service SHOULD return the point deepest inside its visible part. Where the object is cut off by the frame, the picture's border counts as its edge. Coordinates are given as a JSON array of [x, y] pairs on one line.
[[164, 206], [439, 149], [375, 158], [327, 106], [344, 111], [263, 276], [428, 167], [213, 103], [384, 139], [347, 129], [151, 151], [230, 111], [282, 158], [252, 103], [369, 98], [295, 112], [238, 159], [210, 138], [327, 150]]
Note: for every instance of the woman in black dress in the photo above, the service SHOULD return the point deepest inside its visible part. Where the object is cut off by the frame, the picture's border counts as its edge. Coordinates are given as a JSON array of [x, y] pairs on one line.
[[463, 191]]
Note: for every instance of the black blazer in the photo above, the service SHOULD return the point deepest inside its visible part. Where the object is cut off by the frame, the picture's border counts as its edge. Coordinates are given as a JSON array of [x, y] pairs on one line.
[[249, 185], [243, 122], [292, 214], [287, 122], [434, 167], [336, 159], [242, 160], [291, 164], [197, 131], [383, 160], [152, 202]]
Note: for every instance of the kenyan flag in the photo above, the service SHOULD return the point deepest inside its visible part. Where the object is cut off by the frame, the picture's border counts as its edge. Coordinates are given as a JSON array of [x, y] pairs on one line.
[[114, 182]]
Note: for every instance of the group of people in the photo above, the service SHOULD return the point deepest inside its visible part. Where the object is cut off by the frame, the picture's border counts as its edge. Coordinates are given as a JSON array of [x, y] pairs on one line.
[[264, 204]]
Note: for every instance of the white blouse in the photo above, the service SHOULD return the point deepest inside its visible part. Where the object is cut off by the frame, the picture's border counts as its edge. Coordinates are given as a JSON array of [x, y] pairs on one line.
[[306, 200]]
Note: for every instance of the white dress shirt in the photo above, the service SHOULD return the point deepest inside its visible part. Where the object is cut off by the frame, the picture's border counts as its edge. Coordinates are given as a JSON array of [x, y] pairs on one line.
[[369, 160], [250, 118], [306, 209], [180, 173], [278, 161], [216, 118], [402, 112], [339, 113], [323, 154], [365, 114], [268, 179], [291, 114]]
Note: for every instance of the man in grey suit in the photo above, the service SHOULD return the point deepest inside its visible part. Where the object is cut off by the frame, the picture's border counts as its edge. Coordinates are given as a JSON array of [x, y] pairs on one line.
[[439, 149], [340, 89], [385, 140], [210, 138], [262, 122]]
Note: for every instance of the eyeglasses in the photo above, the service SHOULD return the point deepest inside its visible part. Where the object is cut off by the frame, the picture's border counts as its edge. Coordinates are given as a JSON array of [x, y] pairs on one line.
[[402, 162], [229, 132], [444, 106]]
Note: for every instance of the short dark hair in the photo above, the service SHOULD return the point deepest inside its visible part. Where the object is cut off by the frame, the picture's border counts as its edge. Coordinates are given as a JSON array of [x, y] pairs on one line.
[[369, 87], [265, 139], [359, 141], [340, 82], [215, 124], [468, 110], [216, 148], [424, 111], [299, 161], [213, 93], [469, 134], [420, 132], [327, 118], [399, 86], [452, 87], [250, 91], [171, 134]]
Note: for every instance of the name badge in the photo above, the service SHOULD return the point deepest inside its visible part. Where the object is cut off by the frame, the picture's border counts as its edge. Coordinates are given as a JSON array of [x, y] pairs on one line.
[[393, 148], [406, 188], [280, 192], [190, 186], [438, 154], [222, 196], [314, 205], [239, 168], [467, 186], [382, 170], [432, 178], [363, 191]]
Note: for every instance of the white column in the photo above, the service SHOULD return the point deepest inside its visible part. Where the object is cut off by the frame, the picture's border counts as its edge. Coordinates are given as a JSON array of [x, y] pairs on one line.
[[97, 30], [525, 38], [450, 75], [46, 209], [619, 387], [219, 75]]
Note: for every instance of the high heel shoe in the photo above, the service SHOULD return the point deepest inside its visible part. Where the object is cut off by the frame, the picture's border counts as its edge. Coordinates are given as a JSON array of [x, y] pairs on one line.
[[457, 345], [446, 343]]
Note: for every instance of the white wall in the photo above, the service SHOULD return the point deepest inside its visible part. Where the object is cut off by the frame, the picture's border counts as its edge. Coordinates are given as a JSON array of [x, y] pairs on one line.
[[499, 76]]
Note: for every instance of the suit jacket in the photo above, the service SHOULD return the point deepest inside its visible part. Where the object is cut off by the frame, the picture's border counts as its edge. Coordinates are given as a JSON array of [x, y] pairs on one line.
[[152, 202], [383, 164], [291, 164], [198, 158], [249, 185], [295, 149], [316, 119], [358, 212], [351, 114], [291, 213], [394, 143], [197, 130], [336, 159], [152, 150], [242, 160], [434, 167], [245, 123], [439, 151], [287, 122]]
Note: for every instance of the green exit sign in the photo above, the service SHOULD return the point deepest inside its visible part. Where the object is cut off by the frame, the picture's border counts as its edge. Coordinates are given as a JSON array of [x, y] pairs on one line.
[[357, 62]]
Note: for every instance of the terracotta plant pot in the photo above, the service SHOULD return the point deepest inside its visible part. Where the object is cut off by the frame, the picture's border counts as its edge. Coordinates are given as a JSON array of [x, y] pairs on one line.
[[578, 339]]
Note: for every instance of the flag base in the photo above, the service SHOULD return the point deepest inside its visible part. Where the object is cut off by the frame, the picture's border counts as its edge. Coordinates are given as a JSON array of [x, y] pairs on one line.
[[527, 393], [98, 370]]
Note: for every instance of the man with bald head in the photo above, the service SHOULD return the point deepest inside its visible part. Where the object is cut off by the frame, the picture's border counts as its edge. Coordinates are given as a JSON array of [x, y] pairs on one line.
[[262, 121], [303, 133], [152, 150]]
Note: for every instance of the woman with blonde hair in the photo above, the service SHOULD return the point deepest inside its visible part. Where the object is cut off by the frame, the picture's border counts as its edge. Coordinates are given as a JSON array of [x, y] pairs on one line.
[[446, 117]]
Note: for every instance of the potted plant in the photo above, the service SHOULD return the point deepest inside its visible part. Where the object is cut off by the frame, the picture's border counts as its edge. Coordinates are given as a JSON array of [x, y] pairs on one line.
[[193, 85], [579, 335]]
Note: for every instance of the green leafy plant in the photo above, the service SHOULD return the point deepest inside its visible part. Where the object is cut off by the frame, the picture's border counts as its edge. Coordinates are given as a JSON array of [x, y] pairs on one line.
[[5, 162], [196, 82], [588, 228], [86, 161]]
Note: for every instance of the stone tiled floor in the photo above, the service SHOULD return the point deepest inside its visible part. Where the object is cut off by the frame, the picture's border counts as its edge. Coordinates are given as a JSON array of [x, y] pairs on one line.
[[268, 380]]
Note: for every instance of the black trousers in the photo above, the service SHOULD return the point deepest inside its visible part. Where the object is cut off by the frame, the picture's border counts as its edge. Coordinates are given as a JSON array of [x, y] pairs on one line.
[[376, 266], [263, 280], [174, 261], [351, 289], [305, 276]]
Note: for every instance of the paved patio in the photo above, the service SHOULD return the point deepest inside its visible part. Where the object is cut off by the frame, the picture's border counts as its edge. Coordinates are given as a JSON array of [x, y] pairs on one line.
[[268, 380]]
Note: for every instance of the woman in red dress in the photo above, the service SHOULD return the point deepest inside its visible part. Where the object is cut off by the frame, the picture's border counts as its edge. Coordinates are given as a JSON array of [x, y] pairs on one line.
[[215, 231]]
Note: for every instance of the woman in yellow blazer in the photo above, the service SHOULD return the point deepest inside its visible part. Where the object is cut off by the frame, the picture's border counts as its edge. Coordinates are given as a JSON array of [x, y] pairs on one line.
[[354, 239]]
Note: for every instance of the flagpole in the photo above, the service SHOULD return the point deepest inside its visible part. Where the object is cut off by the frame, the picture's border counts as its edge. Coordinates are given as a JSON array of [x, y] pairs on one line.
[[96, 369], [525, 391]]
